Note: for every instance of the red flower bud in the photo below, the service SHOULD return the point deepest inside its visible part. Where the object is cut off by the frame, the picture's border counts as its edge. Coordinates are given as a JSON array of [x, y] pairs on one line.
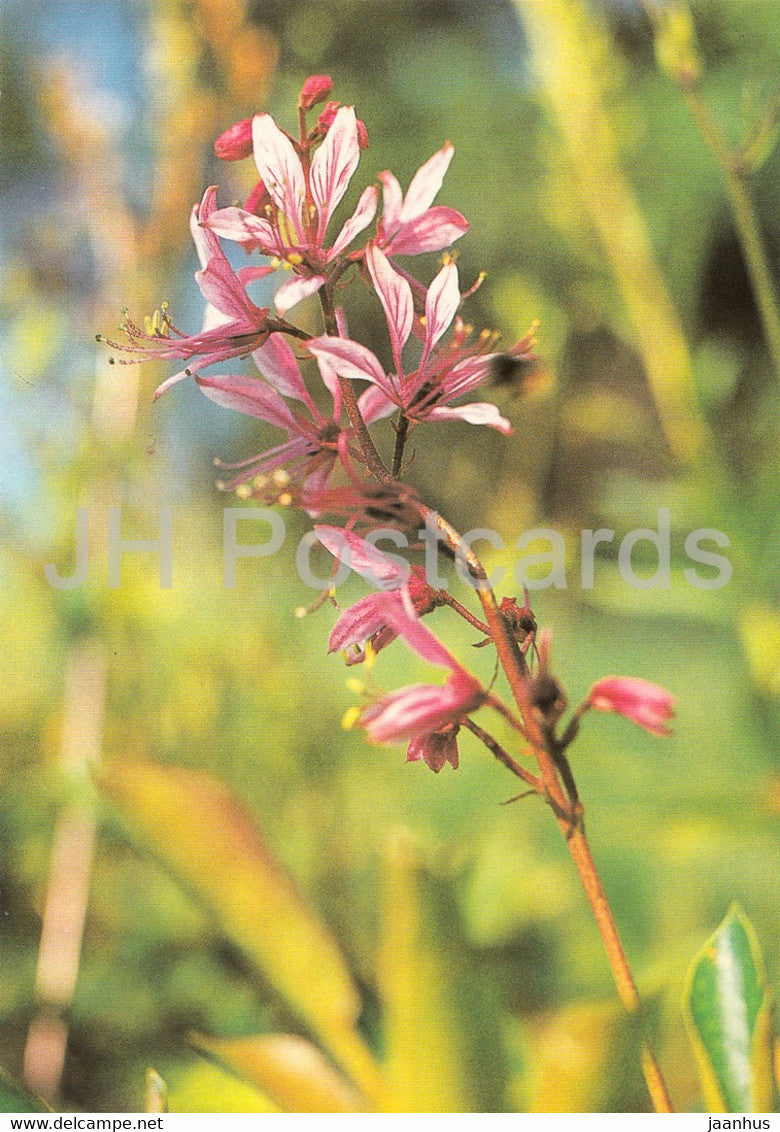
[[236, 142], [257, 199], [315, 89], [325, 120], [643, 703]]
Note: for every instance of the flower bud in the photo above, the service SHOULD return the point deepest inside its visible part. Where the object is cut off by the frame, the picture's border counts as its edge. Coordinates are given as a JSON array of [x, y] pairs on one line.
[[325, 120], [315, 89], [645, 704], [362, 133], [257, 199], [236, 142]]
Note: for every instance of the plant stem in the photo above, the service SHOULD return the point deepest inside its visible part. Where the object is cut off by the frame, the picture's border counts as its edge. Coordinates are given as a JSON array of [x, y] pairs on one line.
[[373, 460], [503, 756], [744, 215], [465, 614], [567, 809], [567, 813], [400, 444]]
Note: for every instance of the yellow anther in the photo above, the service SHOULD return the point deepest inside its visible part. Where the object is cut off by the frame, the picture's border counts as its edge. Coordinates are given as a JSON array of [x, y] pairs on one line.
[[285, 499], [260, 481], [275, 262], [280, 477], [244, 491], [294, 258], [370, 655], [300, 611], [350, 718], [356, 686]]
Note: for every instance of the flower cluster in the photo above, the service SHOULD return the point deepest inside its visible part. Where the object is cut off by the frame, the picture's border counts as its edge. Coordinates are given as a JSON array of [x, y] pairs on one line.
[[328, 460]]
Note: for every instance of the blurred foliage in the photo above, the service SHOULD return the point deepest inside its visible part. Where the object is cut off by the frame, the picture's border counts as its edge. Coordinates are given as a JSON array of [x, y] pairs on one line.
[[467, 934]]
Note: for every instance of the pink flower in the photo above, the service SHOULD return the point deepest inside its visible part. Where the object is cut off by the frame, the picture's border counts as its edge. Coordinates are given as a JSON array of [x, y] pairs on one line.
[[445, 373], [365, 620], [417, 712], [302, 201], [646, 704], [233, 326], [310, 452], [409, 225]]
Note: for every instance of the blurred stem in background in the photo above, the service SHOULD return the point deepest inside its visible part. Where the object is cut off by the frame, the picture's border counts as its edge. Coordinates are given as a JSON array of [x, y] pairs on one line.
[[566, 49], [134, 255], [678, 54]]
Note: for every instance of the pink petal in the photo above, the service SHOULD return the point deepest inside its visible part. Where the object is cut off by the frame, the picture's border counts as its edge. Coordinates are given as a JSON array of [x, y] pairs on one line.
[[406, 623], [420, 709], [374, 405], [244, 228], [436, 229], [280, 169], [362, 557], [426, 183], [360, 219], [246, 395], [479, 413], [395, 294], [357, 624], [206, 244], [408, 712], [441, 303], [220, 287], [295, 290], [249, 275], [333, 165], [349, 359], [392, 198], [278, 365]]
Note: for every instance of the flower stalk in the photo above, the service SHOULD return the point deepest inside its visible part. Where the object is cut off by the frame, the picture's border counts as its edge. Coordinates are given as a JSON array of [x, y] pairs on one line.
[[436, 364]]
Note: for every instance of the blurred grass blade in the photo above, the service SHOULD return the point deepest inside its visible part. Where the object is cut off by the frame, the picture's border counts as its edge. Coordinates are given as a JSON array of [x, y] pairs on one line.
[[729, 1015], [204, 1087], [156, 1093], [15, 1098], [207, 837], [442, 1046], [585, 1057], [287, 1068]]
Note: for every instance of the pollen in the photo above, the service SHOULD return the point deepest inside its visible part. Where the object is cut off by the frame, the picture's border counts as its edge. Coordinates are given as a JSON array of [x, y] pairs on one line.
[[280, 477], [244, 491], [350, 718], [285, 499], [260, 482]]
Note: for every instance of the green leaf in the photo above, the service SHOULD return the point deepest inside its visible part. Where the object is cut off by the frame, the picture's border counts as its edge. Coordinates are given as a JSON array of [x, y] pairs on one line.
[[15, 1098], [729, 1016], [286, 1068], [442, 1045], [211, 843]]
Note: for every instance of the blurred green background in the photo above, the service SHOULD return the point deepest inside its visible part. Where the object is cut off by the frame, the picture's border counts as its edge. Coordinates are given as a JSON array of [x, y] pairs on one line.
[[106, 123]]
